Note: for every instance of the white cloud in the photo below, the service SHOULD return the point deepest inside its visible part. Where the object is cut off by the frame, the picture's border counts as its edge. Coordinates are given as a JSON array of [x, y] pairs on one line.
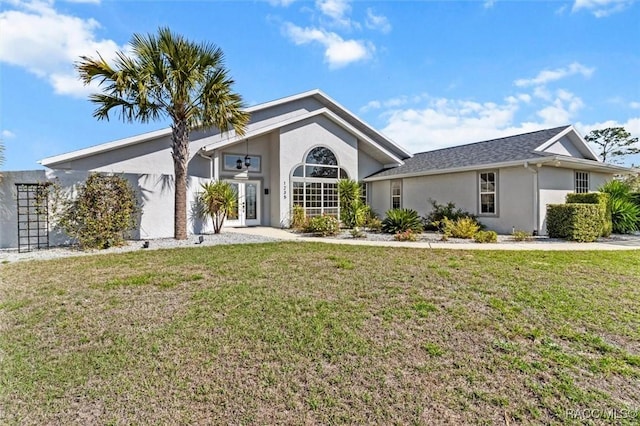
[[336, 9], [423, 123], [284, 3], [7, 134], [634, 105], [377, 22], [46, 43], [547, 76], [338, 52], [601, 8], [488, 4]]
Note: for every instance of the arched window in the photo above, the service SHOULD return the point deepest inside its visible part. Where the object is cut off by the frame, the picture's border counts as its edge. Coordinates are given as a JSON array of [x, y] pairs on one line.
[[315, 183]]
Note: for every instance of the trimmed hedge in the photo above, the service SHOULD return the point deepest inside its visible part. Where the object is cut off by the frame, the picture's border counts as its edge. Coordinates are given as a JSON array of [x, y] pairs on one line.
[[575, 222], [603, 200]]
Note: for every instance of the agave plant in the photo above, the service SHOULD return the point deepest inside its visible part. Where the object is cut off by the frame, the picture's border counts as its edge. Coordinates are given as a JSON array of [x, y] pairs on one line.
[[401, 220]]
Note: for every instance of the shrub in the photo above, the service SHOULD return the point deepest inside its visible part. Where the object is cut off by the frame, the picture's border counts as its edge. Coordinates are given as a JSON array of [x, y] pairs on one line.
[[625, 213], [519, 235], [400, 220], [486, 237], [407, 235], [373, 224], [575, 222], [433, 221], [357, 233], [298, 217], [463, 227], [324, 225], [217, 200], [352, 210], [603, 200], [103, 211]]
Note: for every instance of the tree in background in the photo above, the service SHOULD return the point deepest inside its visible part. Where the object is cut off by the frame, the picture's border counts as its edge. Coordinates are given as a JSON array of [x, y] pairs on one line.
[[615, 143], [165, 75]]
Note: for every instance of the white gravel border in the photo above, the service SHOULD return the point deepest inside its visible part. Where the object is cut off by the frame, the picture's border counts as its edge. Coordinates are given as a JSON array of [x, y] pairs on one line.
[[12, 255]]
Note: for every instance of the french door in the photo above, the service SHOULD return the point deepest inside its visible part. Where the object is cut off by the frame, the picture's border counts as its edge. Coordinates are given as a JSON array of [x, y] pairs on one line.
[[247, 210]]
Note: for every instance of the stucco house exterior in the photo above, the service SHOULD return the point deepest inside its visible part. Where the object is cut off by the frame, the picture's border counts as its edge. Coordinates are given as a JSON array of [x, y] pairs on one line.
[[506, 182], [296, 149]]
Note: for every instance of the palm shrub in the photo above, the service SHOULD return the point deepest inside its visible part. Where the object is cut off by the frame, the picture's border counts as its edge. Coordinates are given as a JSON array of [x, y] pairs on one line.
[[401, 220], [352, 210], [101, 214], [217, 199], [625, 214]]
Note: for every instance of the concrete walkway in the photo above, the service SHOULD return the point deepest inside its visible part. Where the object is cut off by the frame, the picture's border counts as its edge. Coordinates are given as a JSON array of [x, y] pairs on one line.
[[629, 243]]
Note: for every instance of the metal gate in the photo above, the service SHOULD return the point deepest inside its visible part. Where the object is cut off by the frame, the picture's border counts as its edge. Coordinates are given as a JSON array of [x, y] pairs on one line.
[[33, 216]]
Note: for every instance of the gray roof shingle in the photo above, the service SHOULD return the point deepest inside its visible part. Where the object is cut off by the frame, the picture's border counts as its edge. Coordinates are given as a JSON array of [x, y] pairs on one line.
[[511, 148]]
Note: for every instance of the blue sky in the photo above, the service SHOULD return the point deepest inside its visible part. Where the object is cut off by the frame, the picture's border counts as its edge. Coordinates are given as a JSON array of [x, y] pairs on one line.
[[428, 74]]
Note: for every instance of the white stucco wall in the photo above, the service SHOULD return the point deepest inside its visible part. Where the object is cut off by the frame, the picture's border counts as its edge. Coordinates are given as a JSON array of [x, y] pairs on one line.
[[154, 193], [297, 140]]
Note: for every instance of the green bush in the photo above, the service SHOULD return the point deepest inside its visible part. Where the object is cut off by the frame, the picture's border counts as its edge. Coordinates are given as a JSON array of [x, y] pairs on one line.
[[486, 237], [625, 213], [218, 200], [103, 211], [603, 200], [519, 235], [324, 225], [433, 221], [463, 227], [400, 220], [407, 235], [575, 222]]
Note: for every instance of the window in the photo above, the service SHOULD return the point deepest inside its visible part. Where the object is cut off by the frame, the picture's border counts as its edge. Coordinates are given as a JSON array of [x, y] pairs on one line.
[[396, 194], [363, 193], [582, 182], [314, 184], [488, 193], [230, 162]]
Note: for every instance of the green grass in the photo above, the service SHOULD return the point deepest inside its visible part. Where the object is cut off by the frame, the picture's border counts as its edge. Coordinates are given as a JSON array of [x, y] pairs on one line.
[[312, 333]]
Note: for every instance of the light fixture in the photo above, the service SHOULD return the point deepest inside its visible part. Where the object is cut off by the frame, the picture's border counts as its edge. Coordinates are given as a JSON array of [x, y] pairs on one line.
[[247, 160]]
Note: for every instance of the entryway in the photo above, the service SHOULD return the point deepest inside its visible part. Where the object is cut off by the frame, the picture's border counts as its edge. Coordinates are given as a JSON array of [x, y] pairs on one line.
[[247, 211]]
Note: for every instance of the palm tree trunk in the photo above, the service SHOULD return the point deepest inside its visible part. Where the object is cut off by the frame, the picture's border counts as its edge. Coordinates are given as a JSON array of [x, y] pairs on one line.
[[180, 162]]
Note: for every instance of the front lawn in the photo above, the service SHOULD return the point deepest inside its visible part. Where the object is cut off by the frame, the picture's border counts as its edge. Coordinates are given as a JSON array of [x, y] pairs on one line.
[[313, 333]]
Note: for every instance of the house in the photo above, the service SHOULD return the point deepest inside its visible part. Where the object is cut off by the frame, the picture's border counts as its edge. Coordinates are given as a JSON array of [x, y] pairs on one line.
[[506, 182], [296, 149]]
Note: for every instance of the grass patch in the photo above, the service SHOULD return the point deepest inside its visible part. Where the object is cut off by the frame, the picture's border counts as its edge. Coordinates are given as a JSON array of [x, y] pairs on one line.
[[313, 333]]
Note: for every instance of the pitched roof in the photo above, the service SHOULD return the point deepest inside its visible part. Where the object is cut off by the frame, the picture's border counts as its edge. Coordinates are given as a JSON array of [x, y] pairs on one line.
[[511, 148]]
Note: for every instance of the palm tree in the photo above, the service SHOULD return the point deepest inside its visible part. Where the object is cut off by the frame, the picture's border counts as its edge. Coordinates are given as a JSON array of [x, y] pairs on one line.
[[165, 75]]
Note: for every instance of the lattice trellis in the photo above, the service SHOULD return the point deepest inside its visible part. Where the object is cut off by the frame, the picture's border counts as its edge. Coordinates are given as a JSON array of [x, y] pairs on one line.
[[33, 216]]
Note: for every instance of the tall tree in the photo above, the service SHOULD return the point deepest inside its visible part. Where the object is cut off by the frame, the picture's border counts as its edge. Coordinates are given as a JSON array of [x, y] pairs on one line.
[[615, 143], [166, 75]]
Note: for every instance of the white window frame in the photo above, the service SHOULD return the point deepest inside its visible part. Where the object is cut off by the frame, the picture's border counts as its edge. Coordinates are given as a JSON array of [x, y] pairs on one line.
[[396, 184], [482, 192], [581, 182]]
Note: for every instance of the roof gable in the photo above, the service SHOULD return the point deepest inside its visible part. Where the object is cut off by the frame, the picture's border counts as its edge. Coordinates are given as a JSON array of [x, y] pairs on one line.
[[500, 150], [264, 117]]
